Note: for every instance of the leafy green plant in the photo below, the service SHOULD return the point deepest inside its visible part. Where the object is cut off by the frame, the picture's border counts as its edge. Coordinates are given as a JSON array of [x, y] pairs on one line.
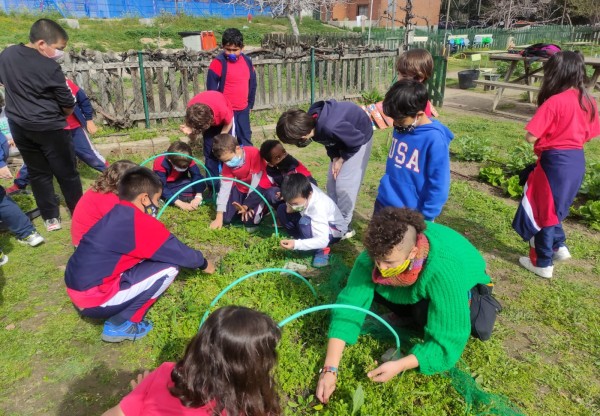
[[371, 97], [519, 157], [492, 175], [304, 405], [590, 212], [358, 399], [591, 181], [511, 186], [470, 149]]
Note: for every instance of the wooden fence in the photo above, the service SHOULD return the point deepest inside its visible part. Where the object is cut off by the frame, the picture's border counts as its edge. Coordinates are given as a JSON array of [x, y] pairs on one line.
[[389, 39], [117, 94]]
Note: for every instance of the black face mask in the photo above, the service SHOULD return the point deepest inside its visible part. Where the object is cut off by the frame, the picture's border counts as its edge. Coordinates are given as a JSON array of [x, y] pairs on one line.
[[304, 143], [406, 129], [151, 209], [287, 163]]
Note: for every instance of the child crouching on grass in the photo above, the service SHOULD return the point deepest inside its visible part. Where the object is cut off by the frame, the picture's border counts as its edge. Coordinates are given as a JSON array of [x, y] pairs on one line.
[[176, 172], [127, 260], [242, 163], [311, 217], [227, 369], [98, 200], [279, 165]]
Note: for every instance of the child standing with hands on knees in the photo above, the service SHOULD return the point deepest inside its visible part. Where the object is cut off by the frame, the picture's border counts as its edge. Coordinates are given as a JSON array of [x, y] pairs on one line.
[[227, 369], [347, 133], [566, 119]]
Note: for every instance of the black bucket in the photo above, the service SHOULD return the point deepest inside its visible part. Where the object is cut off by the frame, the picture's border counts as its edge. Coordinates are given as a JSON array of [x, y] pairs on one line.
[[466, 78]]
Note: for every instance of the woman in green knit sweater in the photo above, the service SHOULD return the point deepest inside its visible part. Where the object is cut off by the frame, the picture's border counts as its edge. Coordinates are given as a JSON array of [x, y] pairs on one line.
[[416, 269]]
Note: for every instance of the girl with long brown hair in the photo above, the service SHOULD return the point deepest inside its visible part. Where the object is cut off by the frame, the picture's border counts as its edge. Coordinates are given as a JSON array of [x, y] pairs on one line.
[[566, 119], [227, 369]]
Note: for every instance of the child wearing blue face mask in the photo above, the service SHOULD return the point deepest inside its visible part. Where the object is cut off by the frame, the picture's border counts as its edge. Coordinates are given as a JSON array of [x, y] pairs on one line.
[[176, 172], [232, 73], [127, 260], [243, 163]]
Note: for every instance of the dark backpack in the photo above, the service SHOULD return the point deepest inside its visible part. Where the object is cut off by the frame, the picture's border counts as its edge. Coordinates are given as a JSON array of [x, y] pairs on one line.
[[541, 50]]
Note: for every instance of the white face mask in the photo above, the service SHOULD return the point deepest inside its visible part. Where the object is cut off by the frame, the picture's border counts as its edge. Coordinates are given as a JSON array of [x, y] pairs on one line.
[[57, 55]]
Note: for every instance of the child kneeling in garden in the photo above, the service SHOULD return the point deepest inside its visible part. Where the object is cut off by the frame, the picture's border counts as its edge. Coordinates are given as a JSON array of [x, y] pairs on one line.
[[176, 172], [311, 217], [226, 370], [127, 260]]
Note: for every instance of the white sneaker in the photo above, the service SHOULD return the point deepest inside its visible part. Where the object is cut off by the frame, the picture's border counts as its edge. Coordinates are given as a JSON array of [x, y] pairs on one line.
[[3, 259], [545, 272], [349, 234], [52, 224], [562, 254], [34, 239]]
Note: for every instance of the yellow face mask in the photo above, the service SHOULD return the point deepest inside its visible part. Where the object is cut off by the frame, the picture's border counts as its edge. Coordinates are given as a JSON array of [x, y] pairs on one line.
[[394, 271]]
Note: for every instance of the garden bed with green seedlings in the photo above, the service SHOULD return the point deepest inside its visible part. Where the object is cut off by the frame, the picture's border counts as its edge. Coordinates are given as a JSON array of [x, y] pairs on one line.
[[542, 357]]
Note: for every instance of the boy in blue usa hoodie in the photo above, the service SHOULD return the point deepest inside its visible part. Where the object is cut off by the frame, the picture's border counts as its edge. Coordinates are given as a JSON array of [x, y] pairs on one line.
[[417, 172]]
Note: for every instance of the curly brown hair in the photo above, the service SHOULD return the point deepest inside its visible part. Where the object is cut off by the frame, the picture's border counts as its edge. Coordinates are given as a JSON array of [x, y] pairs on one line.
[[108, 180], [199, 117], [388, 228]]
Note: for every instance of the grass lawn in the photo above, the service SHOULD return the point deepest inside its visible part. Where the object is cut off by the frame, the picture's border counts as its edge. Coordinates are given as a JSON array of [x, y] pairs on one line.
[[543, 356], [124, 34]]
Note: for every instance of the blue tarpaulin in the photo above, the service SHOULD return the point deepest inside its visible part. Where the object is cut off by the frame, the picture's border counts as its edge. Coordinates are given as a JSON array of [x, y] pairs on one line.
[[127, 8]]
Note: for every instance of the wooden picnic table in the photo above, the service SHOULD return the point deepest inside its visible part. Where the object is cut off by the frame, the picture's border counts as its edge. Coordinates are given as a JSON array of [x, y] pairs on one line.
[[514, 59]]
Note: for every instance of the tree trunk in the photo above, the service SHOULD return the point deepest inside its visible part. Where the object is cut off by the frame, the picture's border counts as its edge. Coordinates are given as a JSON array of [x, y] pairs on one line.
[[292, 19]]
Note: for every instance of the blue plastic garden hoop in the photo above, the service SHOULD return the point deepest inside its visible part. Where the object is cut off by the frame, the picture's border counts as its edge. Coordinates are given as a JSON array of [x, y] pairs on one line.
[[341, 306], [218, 178], [249, 275], [208, 174]]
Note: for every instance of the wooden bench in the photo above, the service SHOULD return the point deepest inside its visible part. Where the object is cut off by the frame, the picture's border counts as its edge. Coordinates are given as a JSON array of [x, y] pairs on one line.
[[502, 85]]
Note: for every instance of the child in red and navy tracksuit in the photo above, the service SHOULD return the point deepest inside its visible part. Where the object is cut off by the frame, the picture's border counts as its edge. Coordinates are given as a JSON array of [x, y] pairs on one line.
[[176, 172], [235, 78], [208, 114], [566, 119], [127, 260], [279, 165], [81, 124], [242, 163]]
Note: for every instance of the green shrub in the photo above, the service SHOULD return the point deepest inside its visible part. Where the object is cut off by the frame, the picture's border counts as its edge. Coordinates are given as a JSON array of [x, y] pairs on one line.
[[371, 97], [492, 175], [511, 187], [590, 212], [519, 157], [591, 181], [470, 149]]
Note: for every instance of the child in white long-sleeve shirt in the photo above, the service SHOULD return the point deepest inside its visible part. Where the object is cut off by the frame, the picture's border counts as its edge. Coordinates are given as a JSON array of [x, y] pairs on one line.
[[311, 217]]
